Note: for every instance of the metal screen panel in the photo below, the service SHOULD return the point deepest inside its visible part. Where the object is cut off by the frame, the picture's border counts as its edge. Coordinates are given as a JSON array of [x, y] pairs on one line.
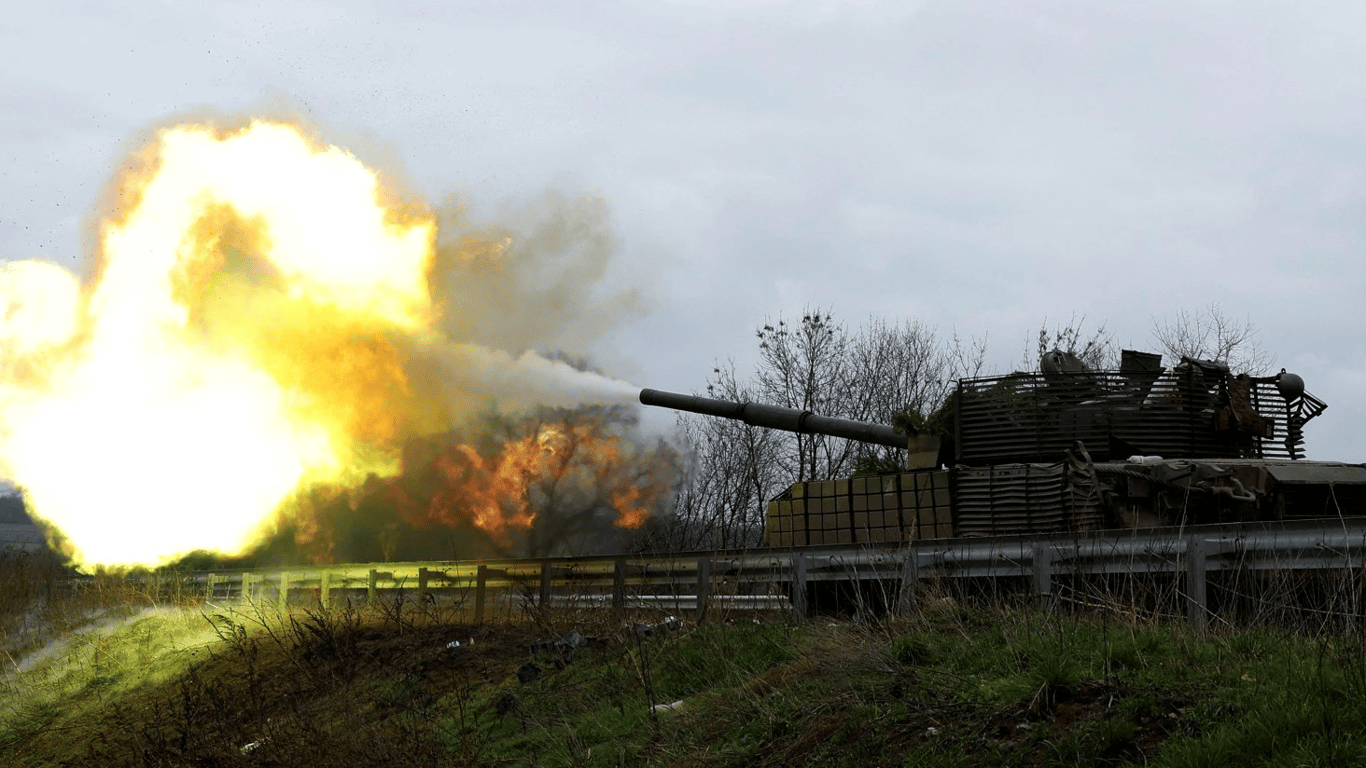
[[1022, 498], [1033, 417]]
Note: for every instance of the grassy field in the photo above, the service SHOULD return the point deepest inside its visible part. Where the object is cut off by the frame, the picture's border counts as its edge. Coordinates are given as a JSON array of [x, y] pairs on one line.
[[129, 683]]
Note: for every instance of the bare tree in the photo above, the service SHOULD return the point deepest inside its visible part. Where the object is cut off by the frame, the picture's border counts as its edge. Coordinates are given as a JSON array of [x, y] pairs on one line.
[[730, 475], [1210, 334], [880, 373], [803, 366], [1096, 350], [903, 369]]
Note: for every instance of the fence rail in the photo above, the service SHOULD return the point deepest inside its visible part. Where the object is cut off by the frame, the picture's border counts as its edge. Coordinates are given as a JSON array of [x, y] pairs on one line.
[[783, 580]]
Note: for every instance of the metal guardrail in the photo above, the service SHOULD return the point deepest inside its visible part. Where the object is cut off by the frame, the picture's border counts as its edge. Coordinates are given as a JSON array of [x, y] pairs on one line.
[[779, 579]]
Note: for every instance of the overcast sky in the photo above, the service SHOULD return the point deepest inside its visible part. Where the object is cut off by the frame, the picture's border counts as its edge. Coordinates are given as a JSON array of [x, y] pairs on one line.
[[981, 166]]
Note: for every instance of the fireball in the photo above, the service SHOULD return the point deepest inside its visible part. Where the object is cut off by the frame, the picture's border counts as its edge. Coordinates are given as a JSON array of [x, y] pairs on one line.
[[238, 341], [256, 327]]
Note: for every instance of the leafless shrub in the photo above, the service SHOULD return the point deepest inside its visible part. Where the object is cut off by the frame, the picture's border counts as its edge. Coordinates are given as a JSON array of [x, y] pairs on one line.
[[1096, 349], [1210, 334], [881, 372]]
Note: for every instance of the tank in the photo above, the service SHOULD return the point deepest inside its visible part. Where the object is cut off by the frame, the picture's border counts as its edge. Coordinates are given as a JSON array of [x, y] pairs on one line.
[[1068, 449]]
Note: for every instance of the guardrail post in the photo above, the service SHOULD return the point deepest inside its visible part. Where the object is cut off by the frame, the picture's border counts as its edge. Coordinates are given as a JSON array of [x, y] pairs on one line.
[[910, 572], [372, 588], [1043, 574], [798, 586], [481, 578], [619, 586], [545, 585], [284, 590], [703, 587], [1196, 603], [325, 589]]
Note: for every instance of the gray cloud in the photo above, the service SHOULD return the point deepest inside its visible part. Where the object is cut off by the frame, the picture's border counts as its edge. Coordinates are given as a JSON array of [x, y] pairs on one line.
[[982, 165]]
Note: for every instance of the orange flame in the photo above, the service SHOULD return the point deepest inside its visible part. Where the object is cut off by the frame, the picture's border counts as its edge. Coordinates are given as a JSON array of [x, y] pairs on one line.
[[492, 492], [576, 466]]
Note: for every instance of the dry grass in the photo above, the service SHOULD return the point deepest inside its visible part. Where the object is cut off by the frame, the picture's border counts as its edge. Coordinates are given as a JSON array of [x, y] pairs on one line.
[[974, 674]]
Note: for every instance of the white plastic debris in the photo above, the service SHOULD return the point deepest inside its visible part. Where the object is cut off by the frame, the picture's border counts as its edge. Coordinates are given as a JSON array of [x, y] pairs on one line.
[[674, 707], [572, 640], [453, 644], [670, 623], [247, 749]]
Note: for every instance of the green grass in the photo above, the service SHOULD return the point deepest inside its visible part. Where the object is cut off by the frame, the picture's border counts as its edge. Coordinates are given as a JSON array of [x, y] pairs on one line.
[[949, 685]]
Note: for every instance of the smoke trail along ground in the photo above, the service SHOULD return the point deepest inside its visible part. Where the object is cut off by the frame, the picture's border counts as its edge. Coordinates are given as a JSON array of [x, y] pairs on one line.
[[260, 321]]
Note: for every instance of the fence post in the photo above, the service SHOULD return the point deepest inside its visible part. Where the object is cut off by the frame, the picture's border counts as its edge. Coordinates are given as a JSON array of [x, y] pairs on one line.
[[325, 589], [798, 586], [703, 586], [619, 586], [1043, 574], [284, 590], [910, 572], [208, 587], [1196, 605], [480, 581], [372, 588], [422, 585], [545, 584]]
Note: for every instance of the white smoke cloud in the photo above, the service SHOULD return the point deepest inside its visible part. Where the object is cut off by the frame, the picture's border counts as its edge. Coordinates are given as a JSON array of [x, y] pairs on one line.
[[529, 379]]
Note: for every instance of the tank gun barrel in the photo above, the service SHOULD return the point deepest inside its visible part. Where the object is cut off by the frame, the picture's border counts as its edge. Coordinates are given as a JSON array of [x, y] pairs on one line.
[[776, 417]]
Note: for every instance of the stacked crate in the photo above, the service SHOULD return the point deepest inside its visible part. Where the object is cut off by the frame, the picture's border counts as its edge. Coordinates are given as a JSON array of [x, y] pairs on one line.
[[862, 510]]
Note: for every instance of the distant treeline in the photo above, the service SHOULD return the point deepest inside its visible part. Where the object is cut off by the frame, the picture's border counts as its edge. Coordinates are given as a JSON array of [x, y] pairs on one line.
[[12, 509]]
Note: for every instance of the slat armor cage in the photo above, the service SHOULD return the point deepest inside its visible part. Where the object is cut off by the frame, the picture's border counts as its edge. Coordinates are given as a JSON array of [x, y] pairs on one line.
[[1037, 417]]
